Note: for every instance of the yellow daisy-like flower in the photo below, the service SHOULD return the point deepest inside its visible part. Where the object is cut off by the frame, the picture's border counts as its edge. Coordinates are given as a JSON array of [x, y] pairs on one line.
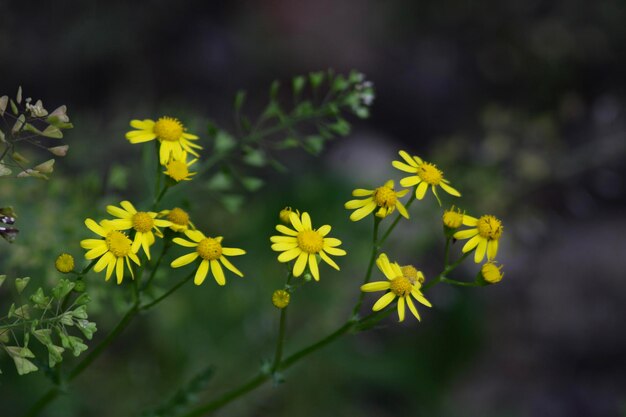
[[483, 236], [402, 284], [211, 251], [113, 249], [384, 198], [425, 174], [178, 169], [142, 222], [179, 219], [169, 131], [452, 218], [305, 243], [492, 273]]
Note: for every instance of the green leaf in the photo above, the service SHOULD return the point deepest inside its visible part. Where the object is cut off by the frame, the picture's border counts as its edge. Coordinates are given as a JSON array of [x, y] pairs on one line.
[[52, 132], [304, 109], [21, 283], [40, 299], [80, 312], [43, 335], [83, 299], [2, 137], [4, 171], [340, 83], [2, 277], [24, 366], [88, 328], [356, 77], [13, 107], [54, 354], [77, 345], [240, 99], [232, 203], [66, 319], [361, 112], [252, 184], [274, 89], [62, 289], [4, 336], [278, 166], [255, 157], [298, 84], [4, 101], [19, 123], [18, 97], [272, 110], [224, 142], [288, 143], [22, 312], [316, 78], [341, 127], [221, 181], [314, 144]]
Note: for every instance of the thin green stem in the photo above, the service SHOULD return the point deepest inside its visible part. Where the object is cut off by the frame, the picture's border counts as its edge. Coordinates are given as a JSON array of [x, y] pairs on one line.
[[167, 293], [166, 245], [368, 274], [280, 341]]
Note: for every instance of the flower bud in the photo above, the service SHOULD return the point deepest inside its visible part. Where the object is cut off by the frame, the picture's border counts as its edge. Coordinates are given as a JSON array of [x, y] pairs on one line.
[[59, 150], [64, 263], [491, 273], [412, 274], [280, 299], [452, 218], [284, 215]]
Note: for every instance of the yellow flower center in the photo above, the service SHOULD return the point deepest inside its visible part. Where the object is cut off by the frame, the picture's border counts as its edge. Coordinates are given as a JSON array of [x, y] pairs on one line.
[[178, 170], [280, 298], [385, 197], [118, 243], [401, 286], [412, 274], [310, 241], [168, 128], [209, 249], [429, 173], [178, 216], [64, 263], [453, 218], [142, 222], [489, 227]]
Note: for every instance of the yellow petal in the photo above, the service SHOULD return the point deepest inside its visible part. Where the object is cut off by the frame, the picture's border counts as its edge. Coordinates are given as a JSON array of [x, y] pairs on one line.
[[306, 221], [361, 192], [184, 260], [313, 267], [363, 211], [404, 167], [384, 301], [218, 273], [471, 244], [401, 309], [466, 234], [328, 260], [295, 221], [233, 251], [300, 264], [285, 230], [185, 243], [324, 230], [334, 251], [230, 266], [420, 191], [119, 270], [95, 227], [409, 302], [289, 255], [480, 251], [201, 273], [376, 286], [118, 212], [449, 189], [492, 250]]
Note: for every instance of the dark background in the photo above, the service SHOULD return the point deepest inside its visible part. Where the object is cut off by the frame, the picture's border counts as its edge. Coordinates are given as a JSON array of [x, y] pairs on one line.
[[520, 103]]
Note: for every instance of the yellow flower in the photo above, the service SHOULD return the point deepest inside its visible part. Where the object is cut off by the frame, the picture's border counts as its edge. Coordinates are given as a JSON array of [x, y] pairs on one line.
[[143, 222], [425, 174], [211, 251], [178, 169], [305, 243], [384, 198], [484, 236], [452, 218], [492, 273], [113, 249], [179, 219], [169, 132], [64, 263], [280, 299], [399, 285], [284, 214]]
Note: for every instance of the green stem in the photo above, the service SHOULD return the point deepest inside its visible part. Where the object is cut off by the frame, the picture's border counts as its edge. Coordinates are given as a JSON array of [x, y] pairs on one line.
[[459, 283], [280, 342], [166, 245], [167, 293], [370, 267], [396, 220]]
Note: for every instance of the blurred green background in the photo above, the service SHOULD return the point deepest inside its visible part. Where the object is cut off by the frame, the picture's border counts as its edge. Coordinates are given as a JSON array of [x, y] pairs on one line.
[[520, 103]]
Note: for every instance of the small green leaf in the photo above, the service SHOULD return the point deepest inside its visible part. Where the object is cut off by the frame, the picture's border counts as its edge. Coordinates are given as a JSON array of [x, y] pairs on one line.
[[341, 126], [278, 166], [19, 123], [30, 128], [255, 157], [340, 83], [80, 312], [43, 335], [18, 97], [224, 142], [83, 299], [88, 328], [66, 319], [77, 345], [54, 354], [24, 366], [240, 99], [21, 283], [298, 84], [220, 182], [274, 89], [2, 137], [4, 171], [304, 109], [62, 289], [252, 184], [232, 203], [40, 299], [2, 279], [52, 132], [316, 78], [4, 336], [272, 110], [13, 107], [361, 112], [356, 77], [288, 143], [314, 144]]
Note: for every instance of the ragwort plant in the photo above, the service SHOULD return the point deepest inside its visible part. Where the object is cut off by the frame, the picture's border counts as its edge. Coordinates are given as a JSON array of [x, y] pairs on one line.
[[122, 246]]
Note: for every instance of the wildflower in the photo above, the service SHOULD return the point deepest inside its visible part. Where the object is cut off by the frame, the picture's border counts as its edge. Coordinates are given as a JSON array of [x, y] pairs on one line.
[[384, 198], [169, 131], [64, 263], [412, 274], [280, 299], [113, 249], [484, 236], [400, 285], [143, 222], [284, 214], [305, 243], [211, 251], [491, 273], [425, 174], [178, 169], [179, 219], [452, 218]]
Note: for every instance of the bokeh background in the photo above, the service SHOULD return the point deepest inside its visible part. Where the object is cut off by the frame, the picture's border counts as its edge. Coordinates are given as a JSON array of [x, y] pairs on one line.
[[522, 104]]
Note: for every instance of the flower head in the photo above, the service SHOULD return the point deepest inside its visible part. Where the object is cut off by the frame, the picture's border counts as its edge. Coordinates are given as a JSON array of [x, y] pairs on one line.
[[113, 249], [425, 174], [402, 284], [64, 263], [484, 236], [491, 273], [280, 299], [211, 252], [305, 243], [144, 223], [452, 218], [284, 214], [383, 198], [178, 168], [171, 134], [178, 218]]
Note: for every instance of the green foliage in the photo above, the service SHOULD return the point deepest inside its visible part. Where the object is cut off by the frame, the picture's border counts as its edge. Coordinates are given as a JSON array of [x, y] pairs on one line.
[[45, 317]]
